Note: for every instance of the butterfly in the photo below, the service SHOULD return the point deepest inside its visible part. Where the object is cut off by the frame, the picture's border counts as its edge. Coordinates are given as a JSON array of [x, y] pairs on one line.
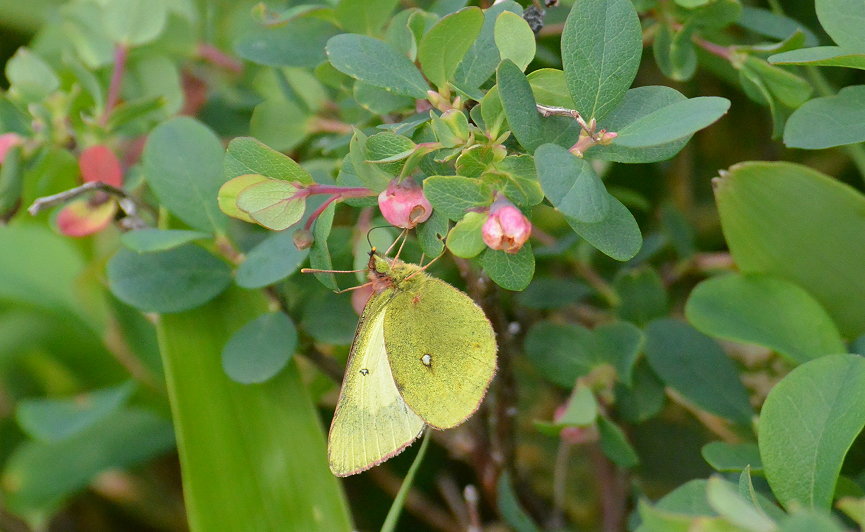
[[424, 354]]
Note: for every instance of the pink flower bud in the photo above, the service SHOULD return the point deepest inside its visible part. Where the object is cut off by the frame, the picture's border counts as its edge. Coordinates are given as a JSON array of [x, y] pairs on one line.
[[506, 228], [98, 163], [403, 204], [7, 142]]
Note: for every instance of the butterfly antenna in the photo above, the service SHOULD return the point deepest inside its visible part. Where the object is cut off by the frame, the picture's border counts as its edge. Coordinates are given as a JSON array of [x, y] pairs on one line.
[[395, 240], [315, 270], [404, 236]]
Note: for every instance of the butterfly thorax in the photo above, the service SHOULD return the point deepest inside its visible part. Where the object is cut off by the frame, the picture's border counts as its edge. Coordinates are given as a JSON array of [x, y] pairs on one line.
[[392, 273]]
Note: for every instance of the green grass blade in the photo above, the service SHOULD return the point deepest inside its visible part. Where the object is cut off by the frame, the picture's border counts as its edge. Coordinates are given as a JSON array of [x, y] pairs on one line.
[[399, 501], [252, 456]]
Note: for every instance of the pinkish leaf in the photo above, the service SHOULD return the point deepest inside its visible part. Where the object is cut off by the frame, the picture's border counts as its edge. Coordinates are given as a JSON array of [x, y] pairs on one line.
[[98, 163], [82, 217]]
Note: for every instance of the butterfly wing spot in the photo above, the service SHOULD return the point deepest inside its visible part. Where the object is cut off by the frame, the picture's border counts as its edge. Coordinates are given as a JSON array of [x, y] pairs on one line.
[[364, 372], [426, 360], [415, 300]]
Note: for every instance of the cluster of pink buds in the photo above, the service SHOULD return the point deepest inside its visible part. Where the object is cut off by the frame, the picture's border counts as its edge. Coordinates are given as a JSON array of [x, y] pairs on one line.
[[506, 228], [403, 204]]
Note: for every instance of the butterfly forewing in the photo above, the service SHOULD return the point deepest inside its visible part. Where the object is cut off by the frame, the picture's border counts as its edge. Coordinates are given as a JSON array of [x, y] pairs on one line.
[[372, 421], [442, 351]]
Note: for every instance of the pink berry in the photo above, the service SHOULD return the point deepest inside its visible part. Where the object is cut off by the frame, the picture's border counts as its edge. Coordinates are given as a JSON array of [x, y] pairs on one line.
[[403, 204]]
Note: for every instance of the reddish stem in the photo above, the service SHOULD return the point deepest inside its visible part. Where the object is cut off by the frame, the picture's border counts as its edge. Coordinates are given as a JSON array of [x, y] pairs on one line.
[[120, 55], [316, 213], [715, 49], [214, 55], [342, 192]]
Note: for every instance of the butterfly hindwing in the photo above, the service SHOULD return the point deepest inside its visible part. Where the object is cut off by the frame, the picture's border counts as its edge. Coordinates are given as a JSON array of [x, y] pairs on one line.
[[442, 350], [372, 421]]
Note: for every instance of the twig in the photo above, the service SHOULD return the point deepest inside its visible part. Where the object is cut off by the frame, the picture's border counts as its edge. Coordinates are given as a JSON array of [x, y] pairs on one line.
[[552, 110], [129, 204], [120, 55], [598, 283], [612, 490], [217, 57], [560, 484], [470, 493]]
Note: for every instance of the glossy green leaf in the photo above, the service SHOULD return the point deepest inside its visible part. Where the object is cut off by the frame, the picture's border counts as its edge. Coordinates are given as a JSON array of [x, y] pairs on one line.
[[280, 124], [364, 16], [642, 295], [465, 239], [273, 259], [793, 222], [807, 424], [150, 239], [229, 435], [58, 419], [39, 475], [510, 507], [481, 60], [636, 104], [273, 203], [230, 190], [518, 103], [511, 272], [696, 367], [615, 445], [246, 155], [788, 88], [550, 293], [732, 457], [517, 178], [514, 39], [297, 43], [432, 233], [842, 20], [821, 56], [724, 498], [765, 22], [672, 122], [370, 175], [183, 165], [378, 100], [601, 48], [260, 349], [571, 185], [134, 22], [167, 281], [377, 63], [617, 235], [30, 77], [830, 121], [443, 47], [550, 88], [388, 147], [674, 52], [767, 311], [454, 195], [319, 254]]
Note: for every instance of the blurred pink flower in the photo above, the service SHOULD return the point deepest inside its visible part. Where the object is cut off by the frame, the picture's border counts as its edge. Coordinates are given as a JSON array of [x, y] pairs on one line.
[[506, 228], [403, 204]]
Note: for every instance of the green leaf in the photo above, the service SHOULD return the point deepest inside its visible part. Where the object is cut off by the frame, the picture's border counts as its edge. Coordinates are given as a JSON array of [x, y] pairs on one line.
[[39, 475], [779, 27], [674, 52], [319, 254], [379, 101], [167, 281], [431, 234], [642, 295], [280, 124], [827, 122], [790, 89], [672, 122], [58, 419], [134, 22], [386, 147], [643, 398], [465, 239], [617, 235], [514, 39], [510, 508], [454, 195], [375, 62], [809, 520], [725, 499], [518, 103], [273, 259], [511, 272], [843, 20], [615, 445], [364, 16], [793, 222], [223, 427], [562, 353], [821, 56], [481, 60], [370, 175], [696, 367], [297, 43], [246, 155], [732, 457], [767, 311], [550, 293], [260, 349], [149, 239], [228, 193], [571, 185], [601, 47], [636, 104], [183, 165], [30, 77], [443, 47], [274, 203], [807, 424], [517, 178]]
